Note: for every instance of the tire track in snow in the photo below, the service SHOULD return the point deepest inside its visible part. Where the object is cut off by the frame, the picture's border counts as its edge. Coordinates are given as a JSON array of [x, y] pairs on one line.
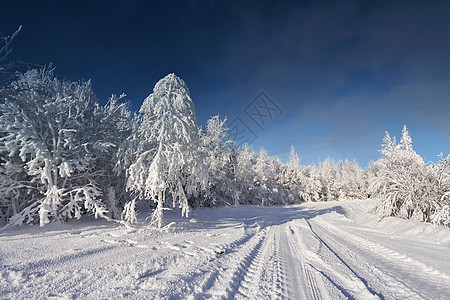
[[278, 271], [268, 266], [327, 264], [256, 270], [195, 278], [387, 283], [391, 254], [267, 276], [243, 278], [299, 285], [233, 268], [252, 274], [312, 276]]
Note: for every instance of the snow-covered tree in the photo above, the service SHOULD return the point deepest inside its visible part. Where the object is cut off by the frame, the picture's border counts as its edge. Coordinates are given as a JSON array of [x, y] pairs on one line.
[[280, 196], [329, 180], [341, 180], [311, 185], [114, 124], [352, 181], [290, 178], [266, 189], [259, 178], [52, 146], [405, 186], [441, 175], [217, 153], [245, 175], [167, 163]]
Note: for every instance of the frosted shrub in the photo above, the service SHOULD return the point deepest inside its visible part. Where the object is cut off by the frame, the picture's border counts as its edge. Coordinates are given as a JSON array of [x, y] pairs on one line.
[[406, 186], [54, 149], [441, 171]]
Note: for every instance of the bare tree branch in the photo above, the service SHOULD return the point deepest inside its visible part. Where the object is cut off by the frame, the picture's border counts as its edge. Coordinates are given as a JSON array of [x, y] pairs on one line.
[[8, 70], [6, 41]]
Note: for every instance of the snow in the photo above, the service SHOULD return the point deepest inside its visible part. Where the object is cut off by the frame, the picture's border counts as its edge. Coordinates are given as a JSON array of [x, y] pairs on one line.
[[326, 250]]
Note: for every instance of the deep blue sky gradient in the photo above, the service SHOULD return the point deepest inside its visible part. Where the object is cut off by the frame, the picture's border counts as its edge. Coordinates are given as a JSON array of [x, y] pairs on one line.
[[343, 72]]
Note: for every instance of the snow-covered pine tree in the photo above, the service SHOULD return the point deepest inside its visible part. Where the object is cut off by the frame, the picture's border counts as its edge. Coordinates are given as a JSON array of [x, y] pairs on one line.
[[167, 164], [52, 145]]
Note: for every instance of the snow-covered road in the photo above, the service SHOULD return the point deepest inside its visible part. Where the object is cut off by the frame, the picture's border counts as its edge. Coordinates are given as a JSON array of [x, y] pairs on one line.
[[329, 250]]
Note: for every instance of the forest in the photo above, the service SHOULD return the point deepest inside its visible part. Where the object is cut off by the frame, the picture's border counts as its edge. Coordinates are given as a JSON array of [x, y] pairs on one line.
[[62, 156]]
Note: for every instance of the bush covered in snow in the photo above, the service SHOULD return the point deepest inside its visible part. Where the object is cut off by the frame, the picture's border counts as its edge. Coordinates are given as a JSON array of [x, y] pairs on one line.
[[57, 147], [407, 187]]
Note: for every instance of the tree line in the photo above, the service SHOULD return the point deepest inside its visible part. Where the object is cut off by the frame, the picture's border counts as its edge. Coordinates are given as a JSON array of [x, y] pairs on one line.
[[62, 156]]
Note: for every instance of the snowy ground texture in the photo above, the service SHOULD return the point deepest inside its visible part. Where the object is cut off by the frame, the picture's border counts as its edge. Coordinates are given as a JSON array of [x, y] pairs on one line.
[[331, 250]]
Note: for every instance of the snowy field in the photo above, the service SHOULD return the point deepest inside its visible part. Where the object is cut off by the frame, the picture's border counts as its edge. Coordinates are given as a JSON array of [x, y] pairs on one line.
[[332, 250]]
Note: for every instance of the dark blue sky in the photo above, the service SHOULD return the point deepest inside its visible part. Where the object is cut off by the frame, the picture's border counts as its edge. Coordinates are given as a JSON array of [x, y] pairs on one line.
[[342, 72]]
